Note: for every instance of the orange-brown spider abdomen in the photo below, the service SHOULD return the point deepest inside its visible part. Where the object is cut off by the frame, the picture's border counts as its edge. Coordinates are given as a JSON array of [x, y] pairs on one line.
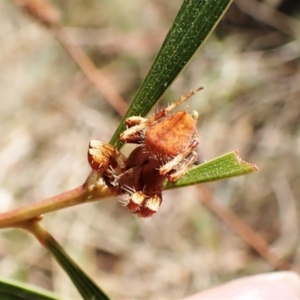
[[170, 136]]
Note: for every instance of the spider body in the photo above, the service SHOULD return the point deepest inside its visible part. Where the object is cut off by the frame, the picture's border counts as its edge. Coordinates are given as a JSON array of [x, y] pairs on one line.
[[171, 136], [165, 151]]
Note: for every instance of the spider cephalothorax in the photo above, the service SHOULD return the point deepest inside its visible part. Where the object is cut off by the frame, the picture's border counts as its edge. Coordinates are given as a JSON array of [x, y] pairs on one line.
[[165, 151]]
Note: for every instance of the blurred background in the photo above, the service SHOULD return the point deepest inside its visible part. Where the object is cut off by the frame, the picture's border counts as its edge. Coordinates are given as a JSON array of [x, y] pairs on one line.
[[50, 110]]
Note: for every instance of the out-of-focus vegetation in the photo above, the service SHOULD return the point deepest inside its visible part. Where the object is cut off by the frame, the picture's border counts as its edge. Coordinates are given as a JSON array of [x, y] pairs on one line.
[[49, 112]]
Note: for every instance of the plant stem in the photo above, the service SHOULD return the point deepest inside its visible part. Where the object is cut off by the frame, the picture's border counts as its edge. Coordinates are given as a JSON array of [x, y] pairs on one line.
[[79, 195]]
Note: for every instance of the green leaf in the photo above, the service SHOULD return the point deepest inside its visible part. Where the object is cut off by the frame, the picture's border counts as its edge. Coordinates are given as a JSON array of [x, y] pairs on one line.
[[84, 284], [14, 290], [225, 166], [194, 22]]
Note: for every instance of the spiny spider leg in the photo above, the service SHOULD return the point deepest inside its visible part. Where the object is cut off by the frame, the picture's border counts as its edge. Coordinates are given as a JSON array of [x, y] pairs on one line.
[[130, 190], [151, 206], [101, 156], [168, 167], [178, 102], [183, 168], [134, 120], [142, 123], [136, 201]]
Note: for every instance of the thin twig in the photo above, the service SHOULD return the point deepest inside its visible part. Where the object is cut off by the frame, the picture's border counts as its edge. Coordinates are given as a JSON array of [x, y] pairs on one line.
[[243, 230], [91, 72], [79, 195], [47, 15]]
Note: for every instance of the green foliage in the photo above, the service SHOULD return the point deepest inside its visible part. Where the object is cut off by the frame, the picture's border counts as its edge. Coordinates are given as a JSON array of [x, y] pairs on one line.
[[13, 290], [222, 167], [84, 284], [194, 22]]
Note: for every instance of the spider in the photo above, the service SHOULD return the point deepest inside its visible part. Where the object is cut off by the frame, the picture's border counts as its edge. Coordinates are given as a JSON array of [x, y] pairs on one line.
[[165, 150]]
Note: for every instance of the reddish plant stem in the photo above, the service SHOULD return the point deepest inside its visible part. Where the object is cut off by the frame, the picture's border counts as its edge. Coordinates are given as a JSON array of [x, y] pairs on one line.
[[70, 198]]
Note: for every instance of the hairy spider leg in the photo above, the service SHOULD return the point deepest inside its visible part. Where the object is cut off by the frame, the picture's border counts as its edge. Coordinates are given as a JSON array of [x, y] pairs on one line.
[[169, 166], [134, 120], [150, 206], [102, 155], [142, 123], [183, 167]]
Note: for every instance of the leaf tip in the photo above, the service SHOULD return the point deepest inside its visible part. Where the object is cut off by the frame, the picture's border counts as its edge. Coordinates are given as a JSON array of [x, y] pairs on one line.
[[252, 167]]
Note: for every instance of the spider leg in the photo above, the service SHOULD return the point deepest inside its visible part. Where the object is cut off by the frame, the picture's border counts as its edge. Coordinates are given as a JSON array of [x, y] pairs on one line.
[[136, 201], [172, 164], [150, 206], [181, 100], [183, 167], [138, 124], [133, 121], [101, 156]]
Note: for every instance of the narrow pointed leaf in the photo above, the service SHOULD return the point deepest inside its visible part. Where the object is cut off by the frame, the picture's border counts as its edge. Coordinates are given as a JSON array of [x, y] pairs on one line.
[[222, 167], [14, 290], [194, 22], [84, 284]]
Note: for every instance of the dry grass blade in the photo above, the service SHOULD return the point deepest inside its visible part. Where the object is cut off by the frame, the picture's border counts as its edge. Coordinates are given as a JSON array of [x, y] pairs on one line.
[[41, 10], [91, 72], [243, 230], [47, 15]]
